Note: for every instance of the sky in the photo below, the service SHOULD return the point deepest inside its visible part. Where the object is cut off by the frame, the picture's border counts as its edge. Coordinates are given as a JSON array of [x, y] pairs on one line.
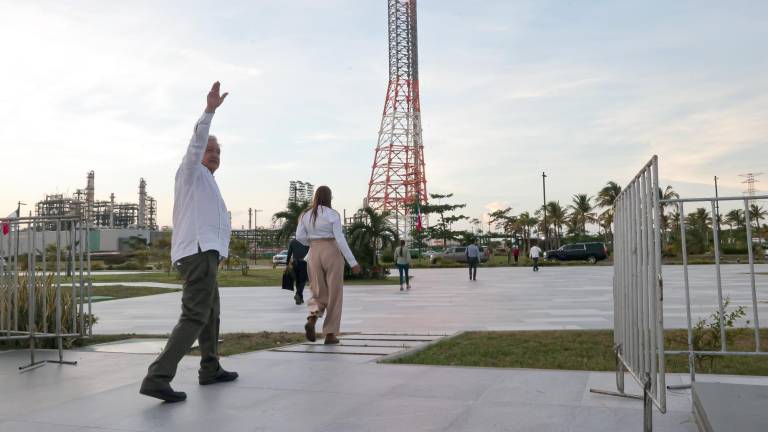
[[586, 91]]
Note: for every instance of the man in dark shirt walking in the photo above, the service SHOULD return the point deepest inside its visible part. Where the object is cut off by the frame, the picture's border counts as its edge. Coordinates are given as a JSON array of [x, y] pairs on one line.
[[298, 252]]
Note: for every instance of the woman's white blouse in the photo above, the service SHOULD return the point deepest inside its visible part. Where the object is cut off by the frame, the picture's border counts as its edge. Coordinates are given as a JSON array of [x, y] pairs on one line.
[[327, 225]]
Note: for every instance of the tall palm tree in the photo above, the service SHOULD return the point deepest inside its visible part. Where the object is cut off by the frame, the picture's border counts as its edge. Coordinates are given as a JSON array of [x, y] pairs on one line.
[[527, 222], [557, 215], [700, 221], [736, 218], [372, 233], [666, 194], [290, 217], [606, 198], [756, 213], [581, 212]]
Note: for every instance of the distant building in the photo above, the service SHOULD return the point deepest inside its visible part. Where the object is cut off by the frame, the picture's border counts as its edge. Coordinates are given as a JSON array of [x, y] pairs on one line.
[[299, 191]]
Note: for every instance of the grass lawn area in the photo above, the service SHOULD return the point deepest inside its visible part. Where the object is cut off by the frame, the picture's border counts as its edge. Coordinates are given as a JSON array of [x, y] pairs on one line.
[[575, 350], [233, 343], [232, 278]]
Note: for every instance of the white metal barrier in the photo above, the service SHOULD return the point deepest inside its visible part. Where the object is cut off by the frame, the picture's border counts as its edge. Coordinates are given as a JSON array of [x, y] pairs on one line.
[[638, 291], [724, 351], [39, 299]]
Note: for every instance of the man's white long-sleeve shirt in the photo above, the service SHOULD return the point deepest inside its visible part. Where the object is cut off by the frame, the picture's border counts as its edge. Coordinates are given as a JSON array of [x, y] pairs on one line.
[[326, 226], [200, 218]]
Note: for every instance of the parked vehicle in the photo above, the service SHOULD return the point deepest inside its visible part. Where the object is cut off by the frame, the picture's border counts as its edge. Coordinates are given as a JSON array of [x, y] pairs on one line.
[[591, 252], [280, 258], [456, 253]]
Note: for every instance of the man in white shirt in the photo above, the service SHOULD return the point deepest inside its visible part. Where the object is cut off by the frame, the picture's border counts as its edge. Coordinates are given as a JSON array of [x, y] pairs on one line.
[[200, 240], [535, 254]]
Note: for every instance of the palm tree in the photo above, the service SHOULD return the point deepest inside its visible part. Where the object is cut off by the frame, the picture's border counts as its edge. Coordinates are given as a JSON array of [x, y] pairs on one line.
[[667, 194], [606, 198], [581, 212], [736, 218], [607, 195], [527, 222], [699, 221], [372, 233], [290, 217], [557, 215], [756, 213]]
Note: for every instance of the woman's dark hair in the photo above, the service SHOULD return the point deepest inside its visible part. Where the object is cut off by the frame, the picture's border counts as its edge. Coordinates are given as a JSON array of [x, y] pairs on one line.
[[322, 198], [402, 245]]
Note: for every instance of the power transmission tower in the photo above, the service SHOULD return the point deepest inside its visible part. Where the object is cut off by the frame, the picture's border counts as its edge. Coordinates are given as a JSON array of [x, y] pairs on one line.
[[750, 182], [398, 179]]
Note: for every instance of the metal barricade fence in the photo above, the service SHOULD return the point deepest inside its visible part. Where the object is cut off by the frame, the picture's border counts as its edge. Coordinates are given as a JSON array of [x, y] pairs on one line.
[[724, 351], [638, 291], [39, 299]]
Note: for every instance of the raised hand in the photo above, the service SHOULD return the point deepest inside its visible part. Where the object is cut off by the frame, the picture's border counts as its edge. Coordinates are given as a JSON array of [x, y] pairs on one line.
[[214, 98]]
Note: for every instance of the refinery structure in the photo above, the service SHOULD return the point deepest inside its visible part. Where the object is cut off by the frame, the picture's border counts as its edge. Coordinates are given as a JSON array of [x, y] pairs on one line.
[[102, 213]]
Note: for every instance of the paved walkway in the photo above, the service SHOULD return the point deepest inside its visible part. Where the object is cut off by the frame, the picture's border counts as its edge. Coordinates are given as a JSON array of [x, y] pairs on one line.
[[444, 301], [318, 392], [290, 391]]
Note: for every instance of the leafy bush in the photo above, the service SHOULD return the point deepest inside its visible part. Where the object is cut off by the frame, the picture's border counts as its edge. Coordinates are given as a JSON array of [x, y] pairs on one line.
[[706, 332]]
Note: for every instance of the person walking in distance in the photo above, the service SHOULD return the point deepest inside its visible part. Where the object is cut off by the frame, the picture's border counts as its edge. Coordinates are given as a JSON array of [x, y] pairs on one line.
[[516, 252], [297, 252], [473, 257], [535, 253], [403, 263], [320, 228], [200, 240]]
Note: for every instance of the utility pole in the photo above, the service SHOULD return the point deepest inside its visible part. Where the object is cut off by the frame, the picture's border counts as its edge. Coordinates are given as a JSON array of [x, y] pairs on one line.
[[546, 227], [250, 213]]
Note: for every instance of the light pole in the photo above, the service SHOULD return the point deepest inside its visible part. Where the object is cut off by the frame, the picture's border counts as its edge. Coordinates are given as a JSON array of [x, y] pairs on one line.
[[546, 227], [18, 226], [717, 210]]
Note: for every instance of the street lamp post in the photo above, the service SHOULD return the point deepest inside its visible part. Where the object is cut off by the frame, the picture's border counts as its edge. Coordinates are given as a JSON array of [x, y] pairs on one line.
[[546, 227], [717, 210]]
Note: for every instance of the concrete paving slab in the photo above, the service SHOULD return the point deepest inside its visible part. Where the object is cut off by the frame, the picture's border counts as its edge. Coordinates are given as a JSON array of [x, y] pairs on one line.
[[727, 406], [290, 392]]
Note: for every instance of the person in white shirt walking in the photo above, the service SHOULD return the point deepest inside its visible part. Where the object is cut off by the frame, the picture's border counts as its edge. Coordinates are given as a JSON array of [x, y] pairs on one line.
[[200, 240], [473, 257], [320, 228], [535, 254], [403, 263]]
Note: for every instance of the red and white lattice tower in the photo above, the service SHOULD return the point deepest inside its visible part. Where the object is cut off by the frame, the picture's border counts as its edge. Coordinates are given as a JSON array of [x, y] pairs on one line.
[[398, 180]]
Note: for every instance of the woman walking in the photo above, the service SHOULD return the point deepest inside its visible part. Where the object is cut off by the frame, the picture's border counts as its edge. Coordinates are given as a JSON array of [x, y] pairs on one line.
[[403, 262], [320, 228]]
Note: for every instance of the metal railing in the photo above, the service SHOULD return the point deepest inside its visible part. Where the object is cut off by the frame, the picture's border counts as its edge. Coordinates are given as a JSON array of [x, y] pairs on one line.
[[38, 299], [724, 351], [638, 291]]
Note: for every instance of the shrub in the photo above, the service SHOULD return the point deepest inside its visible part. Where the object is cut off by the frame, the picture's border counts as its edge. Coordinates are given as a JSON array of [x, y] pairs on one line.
[[43, 288]]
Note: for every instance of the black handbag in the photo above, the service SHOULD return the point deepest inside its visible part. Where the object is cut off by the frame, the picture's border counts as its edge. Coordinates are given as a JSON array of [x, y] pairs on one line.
[[288, 280]]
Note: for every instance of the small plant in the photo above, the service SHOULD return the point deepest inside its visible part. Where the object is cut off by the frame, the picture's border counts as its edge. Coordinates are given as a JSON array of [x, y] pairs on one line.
[[706, 332]]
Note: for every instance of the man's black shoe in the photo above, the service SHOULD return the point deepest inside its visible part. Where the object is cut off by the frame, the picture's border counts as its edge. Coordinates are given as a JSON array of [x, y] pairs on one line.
[[223, 376], [166, 394]]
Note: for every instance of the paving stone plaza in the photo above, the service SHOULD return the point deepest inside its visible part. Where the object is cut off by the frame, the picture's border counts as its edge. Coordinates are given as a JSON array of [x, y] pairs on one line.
[[310, 390]]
